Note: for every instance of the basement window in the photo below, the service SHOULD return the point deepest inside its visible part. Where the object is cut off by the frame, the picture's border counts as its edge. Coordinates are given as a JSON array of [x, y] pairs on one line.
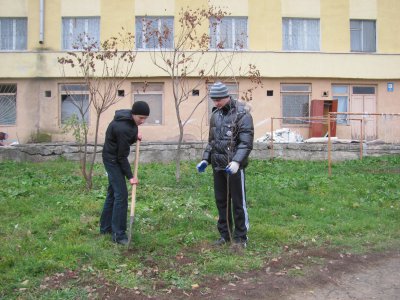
[[295, 103], [74, 102], [8, 104]]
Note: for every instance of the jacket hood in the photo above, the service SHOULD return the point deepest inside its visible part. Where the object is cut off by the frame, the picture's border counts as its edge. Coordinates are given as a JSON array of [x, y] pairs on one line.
[[123, 114]]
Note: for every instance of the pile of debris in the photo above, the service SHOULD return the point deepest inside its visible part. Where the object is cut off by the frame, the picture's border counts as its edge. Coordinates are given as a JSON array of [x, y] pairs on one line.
[[284, 135]]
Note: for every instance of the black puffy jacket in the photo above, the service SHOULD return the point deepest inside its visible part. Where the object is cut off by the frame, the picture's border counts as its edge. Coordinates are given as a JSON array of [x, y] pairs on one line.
[[231, 136], [120, 135]]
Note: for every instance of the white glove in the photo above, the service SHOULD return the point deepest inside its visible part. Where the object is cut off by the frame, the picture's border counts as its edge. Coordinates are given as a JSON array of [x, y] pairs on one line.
[[232, 168], [201, 166]]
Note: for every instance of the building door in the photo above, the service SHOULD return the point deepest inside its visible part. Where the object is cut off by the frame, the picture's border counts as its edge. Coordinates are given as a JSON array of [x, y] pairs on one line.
[[321, 108], [363, 100]]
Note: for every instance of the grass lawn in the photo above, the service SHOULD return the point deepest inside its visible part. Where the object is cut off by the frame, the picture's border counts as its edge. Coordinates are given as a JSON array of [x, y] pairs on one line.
[[49, 223]]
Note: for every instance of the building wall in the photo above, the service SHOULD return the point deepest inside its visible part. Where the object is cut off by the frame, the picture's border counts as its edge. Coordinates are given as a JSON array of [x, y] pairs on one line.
[[36, 70], [116, 15], [44, 112], [335, 26], [265, 18], [388, 32]]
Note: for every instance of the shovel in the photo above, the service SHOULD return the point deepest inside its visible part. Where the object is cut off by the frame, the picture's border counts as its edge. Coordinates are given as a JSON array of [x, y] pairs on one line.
[[133, 203]]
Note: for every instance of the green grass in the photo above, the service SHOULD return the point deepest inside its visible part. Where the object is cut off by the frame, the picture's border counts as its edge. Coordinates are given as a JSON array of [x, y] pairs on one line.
[[49, 223]]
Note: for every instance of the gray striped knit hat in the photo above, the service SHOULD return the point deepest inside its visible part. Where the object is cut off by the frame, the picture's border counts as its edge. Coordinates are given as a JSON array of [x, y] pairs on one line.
[[218, 90]]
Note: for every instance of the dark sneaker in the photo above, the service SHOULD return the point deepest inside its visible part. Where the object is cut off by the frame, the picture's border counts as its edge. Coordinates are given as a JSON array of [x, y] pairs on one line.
[[241, 242], [220, 242], [122, 242]]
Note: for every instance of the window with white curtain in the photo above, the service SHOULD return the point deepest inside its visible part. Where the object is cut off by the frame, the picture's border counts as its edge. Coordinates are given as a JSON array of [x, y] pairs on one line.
[[341, 93], [13, 33], [74, 101], [300, 34], [363, 35], [228, 33], [154, 32], [8, 104], [152, 94], [76, 28], [295, 103]]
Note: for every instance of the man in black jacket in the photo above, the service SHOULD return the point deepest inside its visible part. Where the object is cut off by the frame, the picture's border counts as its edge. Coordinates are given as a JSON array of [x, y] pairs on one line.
[[229, 145], [121, 133]]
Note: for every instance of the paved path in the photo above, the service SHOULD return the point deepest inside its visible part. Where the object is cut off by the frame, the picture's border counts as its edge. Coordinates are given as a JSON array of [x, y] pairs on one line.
[[377, 281]]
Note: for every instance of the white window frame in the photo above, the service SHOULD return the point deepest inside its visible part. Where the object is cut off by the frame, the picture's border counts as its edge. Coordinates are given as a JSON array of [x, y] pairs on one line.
[[307, 41], [8, 111], [149, 89], [288, 89], [141, 22], [69, 41], [72, 89], [342, 119], [215, 33], [14, 44]]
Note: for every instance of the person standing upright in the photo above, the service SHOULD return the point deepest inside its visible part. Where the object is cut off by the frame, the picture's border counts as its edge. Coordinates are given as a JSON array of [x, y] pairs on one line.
[[229, 145], [121, 133]]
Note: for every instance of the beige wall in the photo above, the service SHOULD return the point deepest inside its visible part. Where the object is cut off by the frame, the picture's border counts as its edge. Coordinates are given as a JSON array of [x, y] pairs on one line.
[[36, 70], [87, 8], [301, 9], [270, 64], [265, 25], [155, 8], [335, 33], [14, 8], [235, 7], [363, 9], [52, 26], [116, 15], [388, 26], [264, 18], [43, 114]]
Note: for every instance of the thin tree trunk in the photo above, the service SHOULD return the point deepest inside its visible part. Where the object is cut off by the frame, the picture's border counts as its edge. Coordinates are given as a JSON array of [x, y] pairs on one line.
[[92, 161], [179, 153]]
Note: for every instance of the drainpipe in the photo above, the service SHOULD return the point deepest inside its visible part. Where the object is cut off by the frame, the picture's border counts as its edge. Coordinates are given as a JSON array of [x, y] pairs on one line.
[[41, 20]]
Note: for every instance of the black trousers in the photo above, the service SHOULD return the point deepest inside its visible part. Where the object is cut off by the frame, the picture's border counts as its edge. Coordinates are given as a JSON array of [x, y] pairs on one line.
[[115, 210], [230, 197]]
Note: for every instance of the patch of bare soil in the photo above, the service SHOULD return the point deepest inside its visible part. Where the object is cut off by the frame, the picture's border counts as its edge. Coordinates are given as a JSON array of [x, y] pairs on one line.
[[298, 274]]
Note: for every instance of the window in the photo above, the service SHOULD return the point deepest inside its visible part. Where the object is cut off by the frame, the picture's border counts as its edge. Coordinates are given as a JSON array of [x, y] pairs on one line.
[[74, 101], [363, 36], [76, 28], [154, 32], [228, 33], [341, 93], [153, 94], [13, 33], [233, 90], [300, 34], [8, 104], [295, 102], [364, 90]]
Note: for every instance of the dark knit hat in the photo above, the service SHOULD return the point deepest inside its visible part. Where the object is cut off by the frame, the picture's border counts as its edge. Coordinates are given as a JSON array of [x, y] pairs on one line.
[[219, 90], [140, 108]]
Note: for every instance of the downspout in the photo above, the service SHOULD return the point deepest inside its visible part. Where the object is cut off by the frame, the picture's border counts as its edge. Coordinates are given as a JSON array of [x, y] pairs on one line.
[[41, 41], [41, 22]]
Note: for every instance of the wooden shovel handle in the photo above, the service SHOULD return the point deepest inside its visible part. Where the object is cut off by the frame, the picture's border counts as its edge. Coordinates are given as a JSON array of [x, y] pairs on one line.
[[135, 172]]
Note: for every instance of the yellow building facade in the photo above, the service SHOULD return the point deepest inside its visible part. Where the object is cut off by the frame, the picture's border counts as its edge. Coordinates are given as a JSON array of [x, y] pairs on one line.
[[346, 51]]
